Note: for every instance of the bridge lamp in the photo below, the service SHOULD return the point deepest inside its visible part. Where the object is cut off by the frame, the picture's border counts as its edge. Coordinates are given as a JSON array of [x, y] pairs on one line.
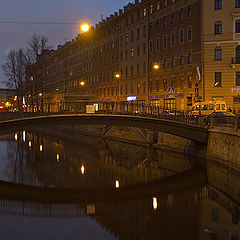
[[155, 204], [85, 27]]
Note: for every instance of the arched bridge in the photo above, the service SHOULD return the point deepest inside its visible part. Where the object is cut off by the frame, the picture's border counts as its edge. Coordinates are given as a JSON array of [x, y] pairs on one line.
[[171, 126]]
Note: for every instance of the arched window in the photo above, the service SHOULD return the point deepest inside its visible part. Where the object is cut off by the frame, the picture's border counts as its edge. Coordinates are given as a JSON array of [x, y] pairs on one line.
[[182, 59], [218, 53]]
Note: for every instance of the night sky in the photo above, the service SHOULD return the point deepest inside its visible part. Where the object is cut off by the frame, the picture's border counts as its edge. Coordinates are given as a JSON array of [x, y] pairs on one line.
[[64, 11]]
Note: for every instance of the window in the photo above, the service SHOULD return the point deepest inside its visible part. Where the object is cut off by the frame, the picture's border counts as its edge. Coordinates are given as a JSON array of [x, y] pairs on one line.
[[158, 44], [165, 3], [138, 50], [165, 22], [215, 215], [144, 87], [237, 3], [173, 18], [218, 27], [173, 39], [218, 53], [189, 81], [190, 58], [144, 12], [218, 4], [165, 63], [126, 89], [144, 67], [138, 33], [144, 48], [189, 10], [132, 70], [158, 5], [237, 54], [218, 79], [121, 56], [237, 79], [150, 27], [173, 61], [138, 87], [182, 36], [157, 85], [126, 72], [126, 38], [150, 86], [151, 46], [144, 31], [158, 24], [132, 52], [165, 41], [132, 18], [165, 85], [182, 59], [151, 9], [181, 14], [173, 82], [189, 33], [131, 35], [237, 26], [138, 69], [182, 82]]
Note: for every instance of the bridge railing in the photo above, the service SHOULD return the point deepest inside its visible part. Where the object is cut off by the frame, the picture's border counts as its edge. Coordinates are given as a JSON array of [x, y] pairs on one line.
[[123, 108]]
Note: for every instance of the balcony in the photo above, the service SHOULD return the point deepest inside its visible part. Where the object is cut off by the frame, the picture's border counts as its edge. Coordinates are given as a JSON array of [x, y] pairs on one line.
[[236, 64]]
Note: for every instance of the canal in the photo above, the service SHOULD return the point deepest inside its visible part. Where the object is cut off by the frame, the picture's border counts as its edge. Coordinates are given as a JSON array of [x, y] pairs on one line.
[[57, 184]]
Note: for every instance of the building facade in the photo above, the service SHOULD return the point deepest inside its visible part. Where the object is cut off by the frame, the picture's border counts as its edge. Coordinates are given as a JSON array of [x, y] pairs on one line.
[[197, 57]]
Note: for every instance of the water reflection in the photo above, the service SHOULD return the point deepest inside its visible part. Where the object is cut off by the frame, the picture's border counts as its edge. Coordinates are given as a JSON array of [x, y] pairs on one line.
[[144, 193]]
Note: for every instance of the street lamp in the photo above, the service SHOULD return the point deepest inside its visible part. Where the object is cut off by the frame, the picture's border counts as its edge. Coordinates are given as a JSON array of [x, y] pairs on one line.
[[82, 83], [117, 75], [85, 27], [156, 66]]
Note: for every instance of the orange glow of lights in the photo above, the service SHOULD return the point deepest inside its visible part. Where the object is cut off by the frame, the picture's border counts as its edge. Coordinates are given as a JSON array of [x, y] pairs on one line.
[[117, 184], [30, 144], [85, 27], [155, 204], [58, 157], [82, 83], [117, 75]]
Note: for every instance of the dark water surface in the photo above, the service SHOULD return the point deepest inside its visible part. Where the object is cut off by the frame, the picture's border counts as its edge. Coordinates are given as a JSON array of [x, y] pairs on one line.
[[60, 185]]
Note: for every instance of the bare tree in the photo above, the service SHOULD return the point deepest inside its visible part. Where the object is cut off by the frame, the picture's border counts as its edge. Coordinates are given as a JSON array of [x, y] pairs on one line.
[[37, 44], [15, 72]]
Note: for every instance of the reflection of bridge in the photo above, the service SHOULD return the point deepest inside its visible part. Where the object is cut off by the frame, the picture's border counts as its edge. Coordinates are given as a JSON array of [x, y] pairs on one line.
[[182, 129]]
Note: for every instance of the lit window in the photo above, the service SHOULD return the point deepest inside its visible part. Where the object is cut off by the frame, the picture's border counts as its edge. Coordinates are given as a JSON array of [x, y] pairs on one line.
[[151, 9], [144, 12], [158, 5]]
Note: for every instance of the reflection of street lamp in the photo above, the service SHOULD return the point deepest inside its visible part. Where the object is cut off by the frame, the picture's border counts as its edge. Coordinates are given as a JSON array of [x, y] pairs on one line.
[[117, 75]]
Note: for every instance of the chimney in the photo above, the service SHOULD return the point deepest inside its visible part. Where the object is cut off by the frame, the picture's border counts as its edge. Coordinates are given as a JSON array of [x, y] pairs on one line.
[[136, 2], [115, 14], [120, 11]]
